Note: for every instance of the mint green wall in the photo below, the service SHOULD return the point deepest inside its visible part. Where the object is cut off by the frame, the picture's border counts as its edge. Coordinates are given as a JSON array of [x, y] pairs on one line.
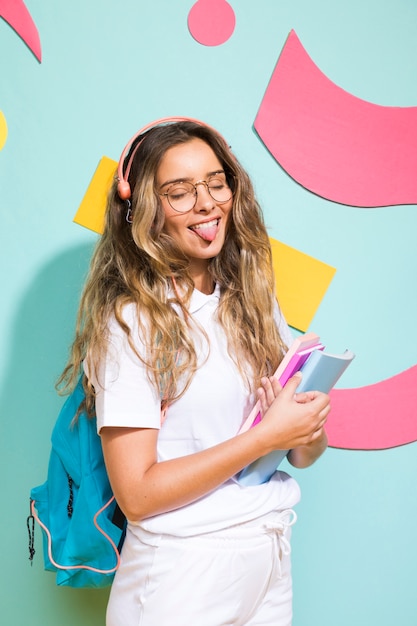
[[107, 69]]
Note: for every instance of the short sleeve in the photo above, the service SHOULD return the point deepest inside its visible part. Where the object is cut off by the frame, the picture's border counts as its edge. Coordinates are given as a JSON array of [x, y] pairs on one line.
[[124, 394]]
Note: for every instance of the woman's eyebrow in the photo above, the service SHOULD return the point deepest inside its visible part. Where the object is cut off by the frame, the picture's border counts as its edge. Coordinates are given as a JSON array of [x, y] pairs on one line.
[[184, 179]]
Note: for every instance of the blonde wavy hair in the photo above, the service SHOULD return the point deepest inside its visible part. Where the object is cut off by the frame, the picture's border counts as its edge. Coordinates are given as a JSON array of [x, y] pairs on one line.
[[140, 263]]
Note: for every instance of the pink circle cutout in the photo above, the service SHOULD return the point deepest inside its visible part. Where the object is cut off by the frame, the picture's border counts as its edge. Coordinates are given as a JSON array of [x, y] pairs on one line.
[[211, 22]]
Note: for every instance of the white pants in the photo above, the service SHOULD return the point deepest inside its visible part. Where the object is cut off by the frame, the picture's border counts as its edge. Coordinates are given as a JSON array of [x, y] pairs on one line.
[[239, 576]]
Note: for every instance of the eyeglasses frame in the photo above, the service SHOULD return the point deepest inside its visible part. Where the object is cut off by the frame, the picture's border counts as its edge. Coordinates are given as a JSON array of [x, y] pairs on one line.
[[199, 182]]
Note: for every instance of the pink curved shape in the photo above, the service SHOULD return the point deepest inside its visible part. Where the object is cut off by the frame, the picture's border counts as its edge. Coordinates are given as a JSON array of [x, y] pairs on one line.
[[382, 415], [337, 146], [16, 14], [211, 22]]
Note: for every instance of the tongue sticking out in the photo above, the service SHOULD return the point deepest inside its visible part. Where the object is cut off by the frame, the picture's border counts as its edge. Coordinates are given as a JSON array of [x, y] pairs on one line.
[[208, 233]]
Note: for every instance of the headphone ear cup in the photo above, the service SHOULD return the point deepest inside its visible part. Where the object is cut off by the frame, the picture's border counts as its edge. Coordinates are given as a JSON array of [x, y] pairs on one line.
[[123, 189]]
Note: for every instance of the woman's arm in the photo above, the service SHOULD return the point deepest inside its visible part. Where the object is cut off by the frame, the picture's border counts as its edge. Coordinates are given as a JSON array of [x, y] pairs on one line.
[[306, 455], [143, 487]]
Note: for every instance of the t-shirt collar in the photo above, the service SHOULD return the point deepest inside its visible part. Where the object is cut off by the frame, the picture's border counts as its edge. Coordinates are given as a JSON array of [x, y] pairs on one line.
[[199, 299]]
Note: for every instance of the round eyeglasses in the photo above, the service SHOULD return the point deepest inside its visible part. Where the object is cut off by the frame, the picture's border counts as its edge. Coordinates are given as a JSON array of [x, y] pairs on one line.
[[182, 195]]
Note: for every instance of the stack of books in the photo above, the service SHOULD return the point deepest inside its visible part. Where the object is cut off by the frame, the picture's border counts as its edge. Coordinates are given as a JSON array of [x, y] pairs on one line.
[[321, 371]]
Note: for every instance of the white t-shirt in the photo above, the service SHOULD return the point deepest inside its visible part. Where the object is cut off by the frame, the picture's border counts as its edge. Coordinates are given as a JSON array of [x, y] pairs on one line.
[[211, 411]]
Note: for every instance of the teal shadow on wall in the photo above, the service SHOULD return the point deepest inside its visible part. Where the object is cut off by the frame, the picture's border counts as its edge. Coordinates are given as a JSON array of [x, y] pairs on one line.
[[41, 334]]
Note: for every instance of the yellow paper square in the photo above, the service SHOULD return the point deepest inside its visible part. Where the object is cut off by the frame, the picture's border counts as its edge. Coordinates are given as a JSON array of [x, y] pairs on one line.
[[301, 282], [91, 211]]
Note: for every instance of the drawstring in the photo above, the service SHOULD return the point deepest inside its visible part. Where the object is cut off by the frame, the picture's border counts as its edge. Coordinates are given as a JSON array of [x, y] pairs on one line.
[[277, 529], [30, 522]]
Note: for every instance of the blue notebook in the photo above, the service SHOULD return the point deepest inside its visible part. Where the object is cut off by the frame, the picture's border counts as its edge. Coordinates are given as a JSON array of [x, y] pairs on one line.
[[320, 372]]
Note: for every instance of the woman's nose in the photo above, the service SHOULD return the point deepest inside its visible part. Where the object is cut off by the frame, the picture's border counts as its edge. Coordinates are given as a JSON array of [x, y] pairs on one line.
[[204, 201]]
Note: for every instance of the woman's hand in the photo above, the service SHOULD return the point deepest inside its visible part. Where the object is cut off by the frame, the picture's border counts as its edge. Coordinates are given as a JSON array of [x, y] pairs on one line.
[[298, 419]]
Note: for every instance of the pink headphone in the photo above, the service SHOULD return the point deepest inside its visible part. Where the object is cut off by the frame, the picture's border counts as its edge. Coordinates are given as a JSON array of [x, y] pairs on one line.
[[123, 187]]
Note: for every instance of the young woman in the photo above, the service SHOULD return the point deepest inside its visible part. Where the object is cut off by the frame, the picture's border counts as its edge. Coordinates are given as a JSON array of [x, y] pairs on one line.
[[179, 333]]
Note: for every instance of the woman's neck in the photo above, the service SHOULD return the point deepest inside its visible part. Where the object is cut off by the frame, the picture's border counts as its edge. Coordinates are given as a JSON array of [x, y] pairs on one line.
[[203, 281]]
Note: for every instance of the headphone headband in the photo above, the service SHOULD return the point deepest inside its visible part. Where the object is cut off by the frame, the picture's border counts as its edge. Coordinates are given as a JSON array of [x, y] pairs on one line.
[[123, 187]]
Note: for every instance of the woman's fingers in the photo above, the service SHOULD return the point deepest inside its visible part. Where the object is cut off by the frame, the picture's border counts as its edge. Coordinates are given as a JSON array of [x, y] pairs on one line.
[[268, 392]]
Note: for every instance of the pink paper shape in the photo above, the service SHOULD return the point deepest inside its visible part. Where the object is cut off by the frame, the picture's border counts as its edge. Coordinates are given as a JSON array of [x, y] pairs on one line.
[[334, 144], [382, 415], [16, 14], [211, 22]]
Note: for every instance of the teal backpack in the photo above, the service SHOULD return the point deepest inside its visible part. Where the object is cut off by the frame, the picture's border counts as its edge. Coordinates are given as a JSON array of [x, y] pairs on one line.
[[82, 526]]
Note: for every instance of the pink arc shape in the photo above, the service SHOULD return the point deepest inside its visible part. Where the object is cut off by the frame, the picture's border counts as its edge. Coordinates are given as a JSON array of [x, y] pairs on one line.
[[15, 13], [211, 22], [334, 144], [382, 415]]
